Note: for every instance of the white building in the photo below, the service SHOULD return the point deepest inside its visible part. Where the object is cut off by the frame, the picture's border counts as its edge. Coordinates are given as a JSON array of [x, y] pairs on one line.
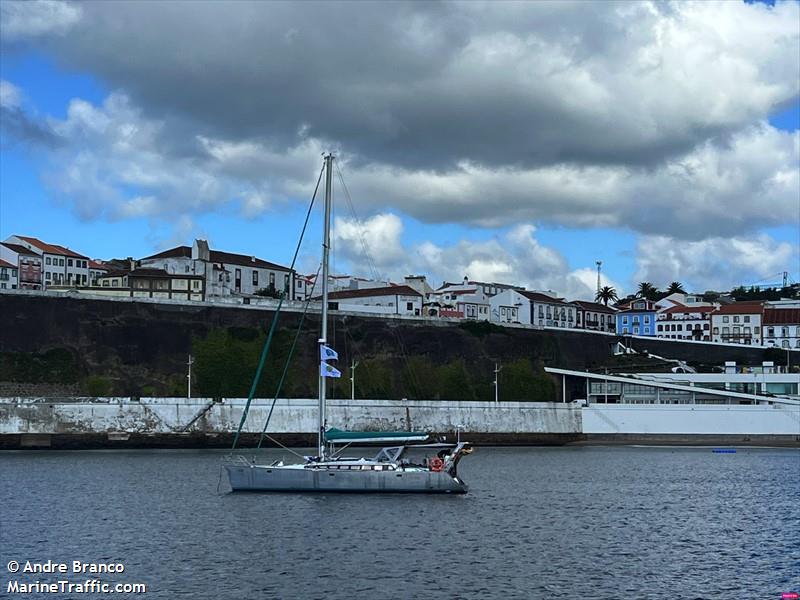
[[464, 300], [738, 323], [681, 299], [225, 273], [595, 316], [685, 323], [28, 263], [488, 288], [532, 308], [60, 265], [782, 327], [8, 276], [392, 300], [96, 271]]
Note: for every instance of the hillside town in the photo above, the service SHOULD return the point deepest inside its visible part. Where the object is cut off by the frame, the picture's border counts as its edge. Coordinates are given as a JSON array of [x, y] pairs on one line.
[[198, 273]]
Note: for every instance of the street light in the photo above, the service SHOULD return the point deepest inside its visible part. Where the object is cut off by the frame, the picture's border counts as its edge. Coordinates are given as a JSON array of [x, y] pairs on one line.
[[497, 369], [353, 380]]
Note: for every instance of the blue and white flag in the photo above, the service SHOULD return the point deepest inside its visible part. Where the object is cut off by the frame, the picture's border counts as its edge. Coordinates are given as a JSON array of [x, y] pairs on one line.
[[326, 353], [325, 370]]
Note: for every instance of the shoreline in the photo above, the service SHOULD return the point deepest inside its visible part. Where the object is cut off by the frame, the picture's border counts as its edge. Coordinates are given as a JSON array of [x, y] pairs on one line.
[[195, 441]]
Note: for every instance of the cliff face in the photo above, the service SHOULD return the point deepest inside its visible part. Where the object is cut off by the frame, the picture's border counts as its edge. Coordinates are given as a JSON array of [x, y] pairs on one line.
[[127, 348]]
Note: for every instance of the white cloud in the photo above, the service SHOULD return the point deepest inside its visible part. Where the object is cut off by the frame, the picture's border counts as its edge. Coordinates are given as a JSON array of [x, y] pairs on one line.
[[24, 19], [714, 263], [516, 258], [10, 95]]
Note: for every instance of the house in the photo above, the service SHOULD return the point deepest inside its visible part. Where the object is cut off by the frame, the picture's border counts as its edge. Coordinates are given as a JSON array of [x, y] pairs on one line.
[[143, 282], [681, 322], [224, 273], [390, 300], [8, 276], [489, 289], [781, 327], [464, 300], [639, 318], [96, 270], [532, 308], [419, 283], [28, 263], [595, 316], [738, 323], [60, 265], [681, 299]]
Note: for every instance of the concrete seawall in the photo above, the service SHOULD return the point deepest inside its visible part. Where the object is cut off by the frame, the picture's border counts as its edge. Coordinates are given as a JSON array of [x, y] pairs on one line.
[[201, 422], [181, 422]]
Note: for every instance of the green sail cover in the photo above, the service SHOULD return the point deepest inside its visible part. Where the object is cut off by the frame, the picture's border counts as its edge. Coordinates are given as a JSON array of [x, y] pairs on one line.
[[339, 436]]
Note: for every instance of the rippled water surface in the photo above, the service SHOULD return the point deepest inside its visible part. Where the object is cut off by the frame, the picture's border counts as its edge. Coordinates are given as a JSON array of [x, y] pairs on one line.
[[547, 523]]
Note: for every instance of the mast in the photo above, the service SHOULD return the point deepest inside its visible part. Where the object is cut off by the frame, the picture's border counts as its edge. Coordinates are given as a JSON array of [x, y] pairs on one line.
[[323, 338]]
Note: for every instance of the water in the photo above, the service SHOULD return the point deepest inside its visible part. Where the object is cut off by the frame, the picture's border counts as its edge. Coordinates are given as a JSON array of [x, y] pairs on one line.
[[544, 523]]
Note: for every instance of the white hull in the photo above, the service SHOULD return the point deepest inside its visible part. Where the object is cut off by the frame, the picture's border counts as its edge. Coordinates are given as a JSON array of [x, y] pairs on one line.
[[301, 478]]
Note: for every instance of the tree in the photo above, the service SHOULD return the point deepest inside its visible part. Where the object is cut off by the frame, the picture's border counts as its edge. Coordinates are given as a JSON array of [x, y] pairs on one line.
[[676, 287], [647, 290], [606, 294]]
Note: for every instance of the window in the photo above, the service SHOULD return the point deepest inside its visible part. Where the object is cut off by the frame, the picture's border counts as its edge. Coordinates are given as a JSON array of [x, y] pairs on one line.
[[60, 262], [286, 283], [255, 278], [272, 280], [47, 260], [660, 328], [726, 330], [541, 310], [770, 332], [785, 344], [503, 312], [635, 330], [747, 318], [195, 284], [410, 306], [725, 319], [716, 330], [69, 262], [747, 330], [784, 332], [624, 320], [186, 269], [735, 318], [647, 319], [680, 327]]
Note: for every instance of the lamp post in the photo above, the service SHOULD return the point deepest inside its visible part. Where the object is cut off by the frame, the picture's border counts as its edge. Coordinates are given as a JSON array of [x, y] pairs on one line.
[[497, 369], [189, 377], [353, 380]]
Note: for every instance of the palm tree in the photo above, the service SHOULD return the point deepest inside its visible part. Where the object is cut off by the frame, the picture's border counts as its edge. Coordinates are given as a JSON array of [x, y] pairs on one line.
[[676, 287], [606, 294], [647, 290]]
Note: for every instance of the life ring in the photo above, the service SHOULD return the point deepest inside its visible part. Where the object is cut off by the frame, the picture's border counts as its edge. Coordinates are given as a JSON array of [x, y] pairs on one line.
[[436, 464]]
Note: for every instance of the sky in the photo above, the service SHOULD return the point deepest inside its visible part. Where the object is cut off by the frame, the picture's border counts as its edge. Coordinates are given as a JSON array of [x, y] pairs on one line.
[[516, 142]]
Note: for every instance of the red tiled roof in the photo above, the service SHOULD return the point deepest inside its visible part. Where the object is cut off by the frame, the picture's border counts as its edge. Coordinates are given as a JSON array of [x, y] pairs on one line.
[[781, 316], [594, 306], [219, 256], [4, 263], [400, 290], [51, 248], [93, 264], [537, 297], [689, 309], [741, 308], [19, 249]]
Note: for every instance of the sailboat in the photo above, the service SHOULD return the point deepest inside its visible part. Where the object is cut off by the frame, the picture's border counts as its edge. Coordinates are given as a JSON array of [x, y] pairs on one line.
[[389, 470]]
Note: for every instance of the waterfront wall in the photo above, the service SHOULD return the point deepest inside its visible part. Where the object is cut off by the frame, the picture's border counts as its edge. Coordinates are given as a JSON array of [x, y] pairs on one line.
[[691, 419], [165, 416], [199, 422]]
